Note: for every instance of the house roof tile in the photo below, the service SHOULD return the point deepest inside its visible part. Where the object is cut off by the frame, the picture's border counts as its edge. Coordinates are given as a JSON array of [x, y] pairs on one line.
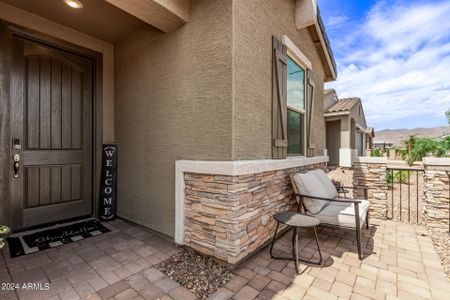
[[342, 105]]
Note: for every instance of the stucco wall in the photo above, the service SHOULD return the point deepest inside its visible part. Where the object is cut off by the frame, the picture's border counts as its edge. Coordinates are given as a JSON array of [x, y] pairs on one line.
[[173, 101], [357, 113], [255, 22], [345, 132]]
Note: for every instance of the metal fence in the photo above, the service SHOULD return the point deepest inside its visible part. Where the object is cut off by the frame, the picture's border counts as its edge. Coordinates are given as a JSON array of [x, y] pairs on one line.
[[405, 194]]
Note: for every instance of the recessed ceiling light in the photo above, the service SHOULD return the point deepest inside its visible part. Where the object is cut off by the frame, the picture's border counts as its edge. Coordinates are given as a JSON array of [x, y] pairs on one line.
[[74, 3]]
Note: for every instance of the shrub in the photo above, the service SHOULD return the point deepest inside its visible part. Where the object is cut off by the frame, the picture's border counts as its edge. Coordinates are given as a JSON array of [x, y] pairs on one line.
[[414, 149], [396, 177], [376, 153], [3, 231]]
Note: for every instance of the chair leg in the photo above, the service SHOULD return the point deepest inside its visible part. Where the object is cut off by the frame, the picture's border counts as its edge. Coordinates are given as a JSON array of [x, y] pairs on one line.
[[358, 231], [295, 248], [367, 220], [273, 240], [318, 247], [358, 242]]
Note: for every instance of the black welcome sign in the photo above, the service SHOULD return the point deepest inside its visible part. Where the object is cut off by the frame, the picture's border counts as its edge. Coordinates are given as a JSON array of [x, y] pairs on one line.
[[108, 182]]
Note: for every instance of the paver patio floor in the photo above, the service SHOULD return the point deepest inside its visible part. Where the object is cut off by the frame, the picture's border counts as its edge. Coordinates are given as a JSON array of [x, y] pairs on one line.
[[400, 262]]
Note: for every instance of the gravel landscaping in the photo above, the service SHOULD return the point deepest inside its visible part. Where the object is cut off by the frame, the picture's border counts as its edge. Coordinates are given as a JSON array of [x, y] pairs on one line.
[[200, 274]]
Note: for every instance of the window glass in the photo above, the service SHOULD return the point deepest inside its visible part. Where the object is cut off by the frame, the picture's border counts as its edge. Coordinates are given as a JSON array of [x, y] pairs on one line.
[[295, 85], [295, 132]]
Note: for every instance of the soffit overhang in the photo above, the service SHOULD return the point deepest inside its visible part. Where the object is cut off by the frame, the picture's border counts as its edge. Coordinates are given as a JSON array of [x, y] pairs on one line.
[[307, 15], [166, 15]]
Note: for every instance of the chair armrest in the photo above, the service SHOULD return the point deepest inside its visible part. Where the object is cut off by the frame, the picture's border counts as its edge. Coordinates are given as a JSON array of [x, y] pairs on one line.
[[356, 187], [330, 199]]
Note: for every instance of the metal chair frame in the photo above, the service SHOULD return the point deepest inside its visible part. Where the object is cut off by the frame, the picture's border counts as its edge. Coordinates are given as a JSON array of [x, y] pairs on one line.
[[356, 202]]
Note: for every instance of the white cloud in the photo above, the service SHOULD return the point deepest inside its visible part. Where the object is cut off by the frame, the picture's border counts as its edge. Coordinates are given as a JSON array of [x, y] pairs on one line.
[[398, 62], [336, 21]]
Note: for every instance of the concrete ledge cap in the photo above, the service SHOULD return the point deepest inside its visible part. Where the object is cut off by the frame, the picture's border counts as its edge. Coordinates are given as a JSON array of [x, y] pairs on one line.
[[436, 161], [243, 167], [370, 159]]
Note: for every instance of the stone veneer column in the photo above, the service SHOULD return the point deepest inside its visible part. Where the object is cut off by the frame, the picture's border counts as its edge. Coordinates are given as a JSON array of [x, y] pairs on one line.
[[231, 216], [371, 172], [436, 192]]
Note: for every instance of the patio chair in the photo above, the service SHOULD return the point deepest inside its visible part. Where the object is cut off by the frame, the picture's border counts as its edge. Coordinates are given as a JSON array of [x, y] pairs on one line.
[[317, 196]]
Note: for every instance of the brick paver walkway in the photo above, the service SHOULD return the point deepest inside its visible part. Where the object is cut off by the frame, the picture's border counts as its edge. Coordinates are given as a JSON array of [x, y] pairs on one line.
[[400, 263]]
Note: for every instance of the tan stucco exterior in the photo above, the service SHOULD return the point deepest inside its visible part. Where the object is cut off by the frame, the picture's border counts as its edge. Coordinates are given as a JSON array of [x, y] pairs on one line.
[[255, 22], [173, 101], [200, 92]]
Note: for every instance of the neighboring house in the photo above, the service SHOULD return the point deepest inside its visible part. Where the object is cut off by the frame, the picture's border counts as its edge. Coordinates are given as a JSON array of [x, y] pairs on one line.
[[370, 135], [347, 134], [212, 103], [382, 144]]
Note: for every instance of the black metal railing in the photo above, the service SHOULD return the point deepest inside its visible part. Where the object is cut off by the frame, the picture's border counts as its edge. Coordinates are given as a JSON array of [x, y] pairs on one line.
[[406, 194]]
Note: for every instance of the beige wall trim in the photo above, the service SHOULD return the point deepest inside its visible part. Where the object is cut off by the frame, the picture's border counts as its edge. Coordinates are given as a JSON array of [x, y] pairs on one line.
[[306, 16], [295, 52], [346, 157], [327, 54], [28, 20], [373, 160], [333, 114], [232, 168], [305, 13], [166, 15], [436, 161]]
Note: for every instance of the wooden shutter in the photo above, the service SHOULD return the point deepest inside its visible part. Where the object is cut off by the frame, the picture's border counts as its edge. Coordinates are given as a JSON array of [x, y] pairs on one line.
[[279, 100], [310, 113]]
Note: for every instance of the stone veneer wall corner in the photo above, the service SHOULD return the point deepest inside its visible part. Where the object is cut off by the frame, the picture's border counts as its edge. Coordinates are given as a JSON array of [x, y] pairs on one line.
[[371, 172], [226, 208], [436, 207]]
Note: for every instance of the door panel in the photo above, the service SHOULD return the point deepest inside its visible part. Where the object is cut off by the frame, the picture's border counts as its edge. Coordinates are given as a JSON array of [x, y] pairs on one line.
[[52, 184], [333, 141], [52, 118]]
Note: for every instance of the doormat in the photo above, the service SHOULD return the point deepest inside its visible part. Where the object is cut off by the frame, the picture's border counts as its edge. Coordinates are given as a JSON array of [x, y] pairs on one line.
[[58, 235]]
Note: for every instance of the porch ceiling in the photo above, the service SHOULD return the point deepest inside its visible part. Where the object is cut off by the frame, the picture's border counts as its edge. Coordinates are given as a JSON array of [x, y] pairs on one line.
[[97, 18]]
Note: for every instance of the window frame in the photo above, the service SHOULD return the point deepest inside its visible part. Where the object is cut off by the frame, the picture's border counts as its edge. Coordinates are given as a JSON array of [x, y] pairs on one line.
[[304, 66]]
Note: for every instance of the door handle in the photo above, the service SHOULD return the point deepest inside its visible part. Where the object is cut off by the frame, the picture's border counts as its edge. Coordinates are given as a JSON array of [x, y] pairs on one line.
[[16, 159]]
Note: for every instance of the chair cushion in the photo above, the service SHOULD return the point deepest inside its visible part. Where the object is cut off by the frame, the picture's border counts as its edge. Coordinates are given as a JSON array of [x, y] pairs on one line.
[[310, 183], [343, 214], [327, 183]]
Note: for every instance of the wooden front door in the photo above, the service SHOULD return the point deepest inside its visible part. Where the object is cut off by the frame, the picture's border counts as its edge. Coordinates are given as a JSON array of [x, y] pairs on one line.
[[51, 132]]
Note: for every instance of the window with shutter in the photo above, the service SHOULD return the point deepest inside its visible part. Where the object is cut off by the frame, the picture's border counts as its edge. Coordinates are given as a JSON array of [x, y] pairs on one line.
[[293, 94]]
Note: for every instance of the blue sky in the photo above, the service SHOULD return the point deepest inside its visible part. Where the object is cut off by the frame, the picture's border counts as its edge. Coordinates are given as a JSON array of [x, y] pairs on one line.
[[395, 56]]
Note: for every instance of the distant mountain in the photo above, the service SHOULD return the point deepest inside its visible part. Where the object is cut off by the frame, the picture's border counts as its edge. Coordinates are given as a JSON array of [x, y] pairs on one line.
[[397, 135]]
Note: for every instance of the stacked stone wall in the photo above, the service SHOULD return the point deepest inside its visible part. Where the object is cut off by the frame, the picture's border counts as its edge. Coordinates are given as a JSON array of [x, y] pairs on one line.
[[229, 217], [371, 172], [436, 193]]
